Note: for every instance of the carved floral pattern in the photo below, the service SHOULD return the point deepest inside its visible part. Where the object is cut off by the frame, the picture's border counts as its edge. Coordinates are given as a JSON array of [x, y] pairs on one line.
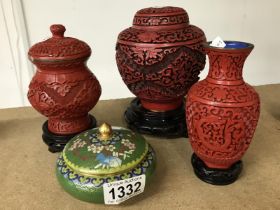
[[159, 73], [186, 34], [153, 10], [160, 21], [219, 134], [62, 89], [229, 70], [225, 94], [64, 101], [170, 16], [53, 48], [54, 100]]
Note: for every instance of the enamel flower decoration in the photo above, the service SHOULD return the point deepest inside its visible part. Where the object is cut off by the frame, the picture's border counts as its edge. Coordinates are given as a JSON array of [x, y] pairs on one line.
[[128, 144], [125, 142], [78, 143], [109, 153], [110, 148], [95, 149], [108, 161]]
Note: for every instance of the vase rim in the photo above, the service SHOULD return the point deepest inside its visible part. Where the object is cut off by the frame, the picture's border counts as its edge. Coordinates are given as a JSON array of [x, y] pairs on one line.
[[231, 45]]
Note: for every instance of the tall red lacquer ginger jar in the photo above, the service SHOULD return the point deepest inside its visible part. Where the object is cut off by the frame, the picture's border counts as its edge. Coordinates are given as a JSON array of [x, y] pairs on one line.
[[63, 88], [159, 59], [222, 113]]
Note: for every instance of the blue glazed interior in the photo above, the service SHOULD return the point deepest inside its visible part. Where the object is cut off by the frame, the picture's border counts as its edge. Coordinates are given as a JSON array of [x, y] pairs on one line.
[[236, 45]]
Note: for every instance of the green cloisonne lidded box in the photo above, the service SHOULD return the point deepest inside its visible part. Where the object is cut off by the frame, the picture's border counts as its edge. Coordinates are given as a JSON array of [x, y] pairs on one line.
[[103, 155]]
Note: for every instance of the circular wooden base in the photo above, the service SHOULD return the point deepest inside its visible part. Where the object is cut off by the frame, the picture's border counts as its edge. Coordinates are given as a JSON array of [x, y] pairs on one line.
[[57, 142], [215, 176], [169, 124]]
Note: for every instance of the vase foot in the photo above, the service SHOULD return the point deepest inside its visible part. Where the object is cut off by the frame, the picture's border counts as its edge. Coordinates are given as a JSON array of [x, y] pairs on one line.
[[215, 176], [169, 124], [57, 142]]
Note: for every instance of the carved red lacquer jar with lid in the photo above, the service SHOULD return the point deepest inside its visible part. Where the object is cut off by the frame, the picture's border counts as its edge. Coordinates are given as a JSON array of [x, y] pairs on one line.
[[63, 88], [222, 114], [159, 59]]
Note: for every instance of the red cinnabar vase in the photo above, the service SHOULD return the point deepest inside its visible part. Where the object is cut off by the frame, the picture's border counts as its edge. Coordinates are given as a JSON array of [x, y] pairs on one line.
[[63, 88], [159, 59], [222, 114]]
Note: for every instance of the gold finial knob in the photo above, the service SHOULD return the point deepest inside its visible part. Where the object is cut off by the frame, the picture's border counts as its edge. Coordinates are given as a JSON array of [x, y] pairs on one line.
[[105, 131]]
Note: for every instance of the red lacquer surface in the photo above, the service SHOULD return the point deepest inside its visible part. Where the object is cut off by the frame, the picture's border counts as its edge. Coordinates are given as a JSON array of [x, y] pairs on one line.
[[160, 56], [222, 111], [63, 88]]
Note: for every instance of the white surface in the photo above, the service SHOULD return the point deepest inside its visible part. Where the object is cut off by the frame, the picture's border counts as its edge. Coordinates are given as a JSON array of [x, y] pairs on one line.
[[15, 70], [119, 191], [218, 42], [99, 22]]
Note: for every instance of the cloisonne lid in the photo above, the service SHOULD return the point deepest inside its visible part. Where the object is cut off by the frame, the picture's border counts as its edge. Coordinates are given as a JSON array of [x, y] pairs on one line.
[[161, 25], [105, 150], [58, 47]]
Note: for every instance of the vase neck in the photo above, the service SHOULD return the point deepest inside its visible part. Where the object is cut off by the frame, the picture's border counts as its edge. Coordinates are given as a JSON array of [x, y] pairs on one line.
[[226, 65]]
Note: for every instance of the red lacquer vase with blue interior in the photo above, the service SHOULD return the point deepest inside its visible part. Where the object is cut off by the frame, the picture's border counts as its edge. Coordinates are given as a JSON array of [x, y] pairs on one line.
[[222, 113]]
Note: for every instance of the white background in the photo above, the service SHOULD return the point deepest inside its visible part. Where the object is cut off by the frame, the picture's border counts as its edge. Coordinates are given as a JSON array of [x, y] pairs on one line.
[[24, 23]]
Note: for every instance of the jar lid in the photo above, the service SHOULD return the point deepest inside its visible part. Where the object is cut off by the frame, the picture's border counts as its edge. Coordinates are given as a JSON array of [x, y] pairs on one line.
[[161, 25], [58, 47], [161, 17], [105, 150]]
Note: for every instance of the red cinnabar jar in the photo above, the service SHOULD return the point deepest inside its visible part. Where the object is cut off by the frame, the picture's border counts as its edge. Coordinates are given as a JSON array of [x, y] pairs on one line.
[[63, 88], [222, 114], [159, 59]]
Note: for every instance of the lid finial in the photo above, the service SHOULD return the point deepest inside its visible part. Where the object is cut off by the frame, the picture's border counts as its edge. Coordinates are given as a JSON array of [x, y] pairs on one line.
[[58, 30], [105, 131]]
